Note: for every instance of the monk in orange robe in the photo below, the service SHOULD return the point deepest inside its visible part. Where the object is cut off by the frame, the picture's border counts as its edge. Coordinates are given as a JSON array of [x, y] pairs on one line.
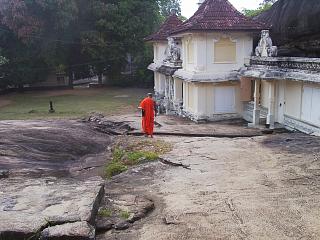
[[149, 111]]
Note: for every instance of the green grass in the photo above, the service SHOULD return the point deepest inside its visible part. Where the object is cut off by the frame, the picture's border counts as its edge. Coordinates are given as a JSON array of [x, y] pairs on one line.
[[124, 215], [69, 103], [105, 212], [136, 157], [122, 159], [115, 168]]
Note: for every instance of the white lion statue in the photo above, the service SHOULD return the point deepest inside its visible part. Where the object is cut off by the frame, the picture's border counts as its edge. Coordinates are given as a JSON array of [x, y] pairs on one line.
[[265, 48]]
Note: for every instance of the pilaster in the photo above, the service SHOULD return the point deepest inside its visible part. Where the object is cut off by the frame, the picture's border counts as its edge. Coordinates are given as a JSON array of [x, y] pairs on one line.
[[271, 107], [256, 108]]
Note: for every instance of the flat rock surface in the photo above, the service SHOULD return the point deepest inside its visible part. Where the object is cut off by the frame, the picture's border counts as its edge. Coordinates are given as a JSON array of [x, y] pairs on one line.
[[76, 231], [29, 205], [48, 147], [177, 125], [136, 207], [244, 188]]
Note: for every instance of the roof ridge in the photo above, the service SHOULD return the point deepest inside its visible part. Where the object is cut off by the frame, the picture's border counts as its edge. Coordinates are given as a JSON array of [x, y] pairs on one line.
[[219, 15], [164, 31]]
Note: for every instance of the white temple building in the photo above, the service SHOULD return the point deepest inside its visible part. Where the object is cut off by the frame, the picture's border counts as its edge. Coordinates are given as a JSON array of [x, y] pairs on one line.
[[215, 43], [207, 68]]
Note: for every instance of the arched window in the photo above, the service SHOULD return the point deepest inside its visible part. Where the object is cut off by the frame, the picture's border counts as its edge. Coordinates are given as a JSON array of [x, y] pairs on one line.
[[225, 51]]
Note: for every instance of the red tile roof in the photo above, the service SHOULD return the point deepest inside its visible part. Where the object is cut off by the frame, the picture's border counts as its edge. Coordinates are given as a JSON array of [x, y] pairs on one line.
[[165, 30], [219, 15]]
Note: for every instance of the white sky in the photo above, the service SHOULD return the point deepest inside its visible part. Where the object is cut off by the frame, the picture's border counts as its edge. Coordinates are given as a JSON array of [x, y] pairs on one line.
[[190, 6]]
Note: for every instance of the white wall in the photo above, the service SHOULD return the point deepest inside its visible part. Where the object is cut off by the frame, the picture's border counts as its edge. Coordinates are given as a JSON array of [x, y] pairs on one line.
[[178, 94], [199, 98], [162, 83], [159, 49], [264, 97], [293, 93], [204, 52], [310, 109]]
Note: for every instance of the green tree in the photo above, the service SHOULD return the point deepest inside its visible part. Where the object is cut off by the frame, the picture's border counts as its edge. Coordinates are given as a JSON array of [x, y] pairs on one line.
[[264, 6], [77, 37], [167, 6], [119, 29], [32, 35]]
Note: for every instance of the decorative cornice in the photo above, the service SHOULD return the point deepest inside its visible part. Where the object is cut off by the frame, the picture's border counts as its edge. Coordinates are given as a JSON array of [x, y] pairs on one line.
[[309, 64]]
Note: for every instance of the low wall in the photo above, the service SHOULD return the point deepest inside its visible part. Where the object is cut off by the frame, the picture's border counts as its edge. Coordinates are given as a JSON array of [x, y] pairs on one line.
[[295, 124]]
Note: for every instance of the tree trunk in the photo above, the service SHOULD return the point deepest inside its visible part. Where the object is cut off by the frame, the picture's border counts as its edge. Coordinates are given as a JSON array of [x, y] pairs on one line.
[[100, 78], [70, 82]]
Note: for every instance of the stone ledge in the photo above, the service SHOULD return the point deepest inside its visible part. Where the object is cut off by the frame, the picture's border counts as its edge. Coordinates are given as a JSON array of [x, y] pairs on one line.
[[27, 206], [295, 124], [70, 231]]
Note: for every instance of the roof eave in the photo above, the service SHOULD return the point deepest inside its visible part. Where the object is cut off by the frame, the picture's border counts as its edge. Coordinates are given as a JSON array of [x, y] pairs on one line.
[[188, 31]]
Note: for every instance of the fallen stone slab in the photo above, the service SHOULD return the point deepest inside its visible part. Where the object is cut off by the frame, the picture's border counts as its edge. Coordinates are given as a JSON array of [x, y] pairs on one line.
[[135, 206], [69, 231], [27, 206]]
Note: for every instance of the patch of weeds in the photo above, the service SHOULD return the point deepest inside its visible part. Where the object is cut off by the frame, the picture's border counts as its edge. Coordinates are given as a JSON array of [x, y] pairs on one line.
[[151, 156], [136, 157], [157, 146], [105, 212], [124, 215], [114, 168], [130, 152], [118, 154]]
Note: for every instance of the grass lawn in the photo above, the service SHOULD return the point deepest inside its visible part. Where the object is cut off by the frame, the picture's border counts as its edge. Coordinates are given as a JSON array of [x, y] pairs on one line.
[[70, 103]]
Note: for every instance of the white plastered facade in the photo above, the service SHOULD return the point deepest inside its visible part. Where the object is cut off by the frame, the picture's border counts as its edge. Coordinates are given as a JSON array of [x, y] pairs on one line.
[[211, 89], [291, 103]]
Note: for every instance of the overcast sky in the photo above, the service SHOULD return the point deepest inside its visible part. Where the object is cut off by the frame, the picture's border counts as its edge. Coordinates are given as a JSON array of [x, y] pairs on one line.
[[190, 6]]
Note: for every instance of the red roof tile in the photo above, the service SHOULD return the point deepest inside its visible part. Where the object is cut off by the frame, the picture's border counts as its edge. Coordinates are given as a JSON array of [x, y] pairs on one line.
[[165, 30], [219, 15]]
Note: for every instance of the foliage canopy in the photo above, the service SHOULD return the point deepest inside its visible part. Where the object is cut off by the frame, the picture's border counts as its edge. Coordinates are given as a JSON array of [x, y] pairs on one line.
[[78, 38], [264, 6]]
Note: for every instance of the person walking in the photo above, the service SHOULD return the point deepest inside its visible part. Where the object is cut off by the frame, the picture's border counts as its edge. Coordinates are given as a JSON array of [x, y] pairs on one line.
[[149, 112]]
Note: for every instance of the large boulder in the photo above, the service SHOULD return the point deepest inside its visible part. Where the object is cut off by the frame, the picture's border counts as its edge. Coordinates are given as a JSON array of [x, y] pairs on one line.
[[295, 27], [28, 206]]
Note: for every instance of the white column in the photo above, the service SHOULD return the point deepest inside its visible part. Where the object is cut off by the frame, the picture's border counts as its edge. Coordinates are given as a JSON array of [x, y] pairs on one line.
[[186, 96], [162, 84], [167, 87], [200, 100], [156, 83], [200, 53], [177, 90], [256, 109], [270, 116]]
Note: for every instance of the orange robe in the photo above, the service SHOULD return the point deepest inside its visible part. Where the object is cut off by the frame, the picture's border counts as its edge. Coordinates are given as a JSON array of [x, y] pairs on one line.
[[148, 105]]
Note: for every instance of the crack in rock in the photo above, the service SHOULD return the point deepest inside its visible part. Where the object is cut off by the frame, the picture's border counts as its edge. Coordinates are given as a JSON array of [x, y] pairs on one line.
[[168, 162]]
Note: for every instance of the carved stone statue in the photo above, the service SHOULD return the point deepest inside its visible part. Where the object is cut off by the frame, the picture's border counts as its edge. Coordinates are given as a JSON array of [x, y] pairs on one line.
[[265, 48], [173, 52]]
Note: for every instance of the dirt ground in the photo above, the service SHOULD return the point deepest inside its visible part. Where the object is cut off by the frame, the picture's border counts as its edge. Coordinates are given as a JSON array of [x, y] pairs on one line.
[[245, 188]]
